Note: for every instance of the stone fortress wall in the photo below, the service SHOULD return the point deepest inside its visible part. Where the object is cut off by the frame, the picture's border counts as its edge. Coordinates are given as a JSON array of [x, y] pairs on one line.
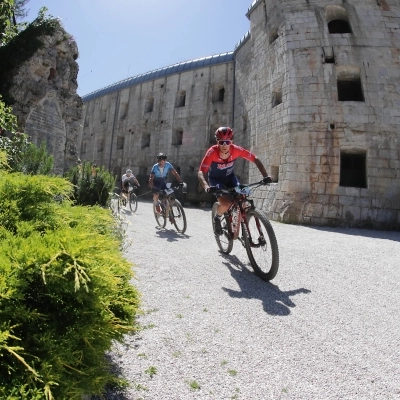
[[313, 89]]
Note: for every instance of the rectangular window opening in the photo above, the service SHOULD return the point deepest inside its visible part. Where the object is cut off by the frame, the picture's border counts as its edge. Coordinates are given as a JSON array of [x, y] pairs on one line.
[[353, 170], [120, 142], [177, 137], [145, 142], [350, 90]]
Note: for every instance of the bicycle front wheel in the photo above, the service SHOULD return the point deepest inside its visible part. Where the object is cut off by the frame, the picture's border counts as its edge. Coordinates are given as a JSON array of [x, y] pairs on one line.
[[133, 202], [261, 245], [177, 216], [224, 241], [160, 216]]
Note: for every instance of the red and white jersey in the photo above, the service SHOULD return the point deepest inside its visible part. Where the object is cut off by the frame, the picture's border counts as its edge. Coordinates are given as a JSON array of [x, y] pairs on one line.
[[219, 168]]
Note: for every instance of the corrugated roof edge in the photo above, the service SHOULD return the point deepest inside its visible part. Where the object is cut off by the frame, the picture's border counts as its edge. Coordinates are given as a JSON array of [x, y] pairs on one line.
[[170, 70], [253, 5], [243, 40]]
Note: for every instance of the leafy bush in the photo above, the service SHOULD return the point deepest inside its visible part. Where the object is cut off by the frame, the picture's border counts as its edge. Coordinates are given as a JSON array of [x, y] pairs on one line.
[[65, 291], [90, 189]]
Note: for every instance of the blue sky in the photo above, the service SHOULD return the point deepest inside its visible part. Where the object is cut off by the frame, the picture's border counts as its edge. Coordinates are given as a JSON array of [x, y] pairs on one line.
[[122, 38]]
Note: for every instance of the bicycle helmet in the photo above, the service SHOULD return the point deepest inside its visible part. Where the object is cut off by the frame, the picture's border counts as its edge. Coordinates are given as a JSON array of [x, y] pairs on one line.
[[161, 156], [224, 133], [128, 171]]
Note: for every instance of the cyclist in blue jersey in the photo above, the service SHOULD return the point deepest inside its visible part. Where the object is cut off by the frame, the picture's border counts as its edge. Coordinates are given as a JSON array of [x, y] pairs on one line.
[[159, 175]]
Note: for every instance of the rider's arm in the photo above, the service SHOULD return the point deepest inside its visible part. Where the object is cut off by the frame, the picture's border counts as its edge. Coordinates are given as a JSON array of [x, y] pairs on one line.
[[260, 167], [176, 175], [204, 167], [151, 183], [203, 181], [135, 180]]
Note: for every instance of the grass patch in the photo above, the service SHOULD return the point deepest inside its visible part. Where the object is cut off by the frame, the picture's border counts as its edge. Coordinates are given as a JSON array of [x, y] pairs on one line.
[[151, 371]]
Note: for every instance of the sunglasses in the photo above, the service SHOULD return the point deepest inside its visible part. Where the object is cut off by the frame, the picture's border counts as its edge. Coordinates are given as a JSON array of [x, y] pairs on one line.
[[222, 142]]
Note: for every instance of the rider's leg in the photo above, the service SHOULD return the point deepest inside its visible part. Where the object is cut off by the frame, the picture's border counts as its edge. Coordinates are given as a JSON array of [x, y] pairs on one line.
[[224, 203]]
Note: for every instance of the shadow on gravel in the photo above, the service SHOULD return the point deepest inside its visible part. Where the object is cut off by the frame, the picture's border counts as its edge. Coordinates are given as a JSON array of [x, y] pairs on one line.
[[275, 301], [170, 235], [113, 393], [388, 235]]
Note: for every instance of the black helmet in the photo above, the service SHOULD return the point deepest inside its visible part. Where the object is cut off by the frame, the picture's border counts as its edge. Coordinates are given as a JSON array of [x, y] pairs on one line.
[[161, 156]]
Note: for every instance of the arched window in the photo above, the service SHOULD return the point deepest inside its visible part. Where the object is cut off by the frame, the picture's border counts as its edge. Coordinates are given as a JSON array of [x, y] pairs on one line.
[[338, 19]]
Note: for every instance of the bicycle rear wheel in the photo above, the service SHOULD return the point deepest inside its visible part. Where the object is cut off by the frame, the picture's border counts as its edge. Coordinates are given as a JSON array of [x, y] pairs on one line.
[[177, 216], [224, 241], [133, 202], [261, 245], [160, 217]]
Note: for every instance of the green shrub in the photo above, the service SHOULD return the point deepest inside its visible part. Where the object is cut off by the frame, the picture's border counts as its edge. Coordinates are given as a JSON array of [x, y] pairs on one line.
[[65, 291], [90, 190]]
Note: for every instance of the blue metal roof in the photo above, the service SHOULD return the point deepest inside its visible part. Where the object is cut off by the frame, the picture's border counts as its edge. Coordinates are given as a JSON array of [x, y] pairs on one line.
[[170, 70]]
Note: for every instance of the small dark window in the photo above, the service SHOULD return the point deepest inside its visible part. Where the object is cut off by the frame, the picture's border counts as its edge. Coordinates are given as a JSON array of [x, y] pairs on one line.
[[149, 105], [329, 59], [339, 26], [221, 94], [100, 145], [350, 90], [145, 142], [276, 98], [181, 99], [353, 172], [177, 137], [273, 35], [120, 142]]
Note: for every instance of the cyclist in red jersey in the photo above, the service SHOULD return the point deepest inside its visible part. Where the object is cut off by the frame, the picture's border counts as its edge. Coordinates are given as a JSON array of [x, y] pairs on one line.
[[218, 164]]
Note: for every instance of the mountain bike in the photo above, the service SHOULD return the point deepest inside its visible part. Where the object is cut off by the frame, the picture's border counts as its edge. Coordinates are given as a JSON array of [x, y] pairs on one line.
[[171, 208], [258, 236], [128, 199]]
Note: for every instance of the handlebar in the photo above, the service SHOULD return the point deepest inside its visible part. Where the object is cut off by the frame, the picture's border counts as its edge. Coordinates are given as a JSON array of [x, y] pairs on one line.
[[240, 189]]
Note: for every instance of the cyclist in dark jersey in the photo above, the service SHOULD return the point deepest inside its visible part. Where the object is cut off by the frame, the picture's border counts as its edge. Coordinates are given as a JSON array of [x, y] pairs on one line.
[[218, 164]]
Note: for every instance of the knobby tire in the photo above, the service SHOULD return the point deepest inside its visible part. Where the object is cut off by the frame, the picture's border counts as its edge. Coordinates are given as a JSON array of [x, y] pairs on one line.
[[177, 216], [133, 203], [160, 217], [224, 241], [263, 252]]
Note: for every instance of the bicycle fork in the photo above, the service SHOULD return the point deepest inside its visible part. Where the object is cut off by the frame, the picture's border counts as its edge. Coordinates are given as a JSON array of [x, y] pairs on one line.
[[245, 230]]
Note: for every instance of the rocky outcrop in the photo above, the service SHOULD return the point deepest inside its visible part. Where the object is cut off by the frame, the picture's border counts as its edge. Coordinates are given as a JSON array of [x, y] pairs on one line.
[[45, 101]]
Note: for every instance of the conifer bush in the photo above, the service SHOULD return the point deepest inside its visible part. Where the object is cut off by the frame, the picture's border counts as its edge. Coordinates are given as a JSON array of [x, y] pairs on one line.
[[65, 291], [88, 189]]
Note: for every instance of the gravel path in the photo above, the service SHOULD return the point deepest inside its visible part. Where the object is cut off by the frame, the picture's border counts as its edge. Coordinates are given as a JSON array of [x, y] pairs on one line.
[[327, 327]]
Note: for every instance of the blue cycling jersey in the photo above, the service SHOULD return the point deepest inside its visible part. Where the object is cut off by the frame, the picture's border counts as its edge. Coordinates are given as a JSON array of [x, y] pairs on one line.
[[158, 173]]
